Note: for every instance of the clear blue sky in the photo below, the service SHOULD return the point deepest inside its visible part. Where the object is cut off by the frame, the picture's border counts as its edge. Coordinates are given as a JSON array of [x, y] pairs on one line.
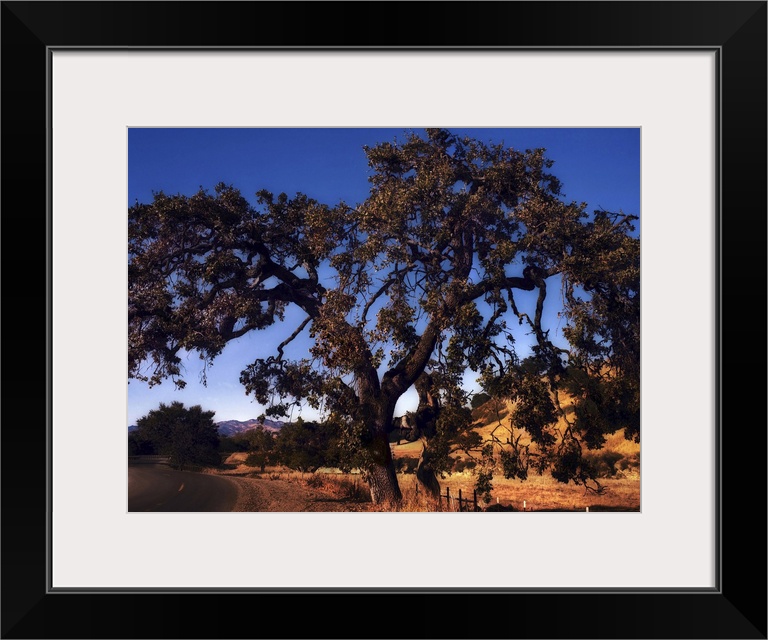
[[595, 165]]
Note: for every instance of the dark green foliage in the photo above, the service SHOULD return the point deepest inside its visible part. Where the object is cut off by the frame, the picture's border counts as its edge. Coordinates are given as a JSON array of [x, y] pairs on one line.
[[187, 435], [139, 446], [605, 462], [570, 465], [479, 399], [261, 445], [307, 446], [534, 410], [232, 444], [451, 434], [513, 465], [483, 484], [460, 465]]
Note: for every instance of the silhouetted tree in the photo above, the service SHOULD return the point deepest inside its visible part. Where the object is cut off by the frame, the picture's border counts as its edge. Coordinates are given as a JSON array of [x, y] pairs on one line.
[[187, 435]]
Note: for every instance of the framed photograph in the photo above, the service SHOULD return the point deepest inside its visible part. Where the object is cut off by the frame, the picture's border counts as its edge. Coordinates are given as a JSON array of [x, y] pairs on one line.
[[82, 80]]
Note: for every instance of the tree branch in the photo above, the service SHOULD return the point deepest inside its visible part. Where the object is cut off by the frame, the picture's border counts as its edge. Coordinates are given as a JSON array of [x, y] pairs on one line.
[[384, 287], [512, 282], [292, 337]]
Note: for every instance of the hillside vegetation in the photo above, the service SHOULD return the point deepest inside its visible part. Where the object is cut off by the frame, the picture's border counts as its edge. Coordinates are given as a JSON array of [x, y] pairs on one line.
[[617, 458]]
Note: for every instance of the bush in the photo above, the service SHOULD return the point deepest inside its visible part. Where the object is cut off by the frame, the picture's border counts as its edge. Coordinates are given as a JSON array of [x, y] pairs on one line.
[[354, 490], [406, 465], [500, 507], [629, 462], [314, 481], [604, 462], [479, 399], [463, 465], [137, 446]]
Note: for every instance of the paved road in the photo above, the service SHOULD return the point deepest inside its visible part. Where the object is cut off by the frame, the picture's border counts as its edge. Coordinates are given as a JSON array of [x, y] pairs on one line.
[[160, 488]]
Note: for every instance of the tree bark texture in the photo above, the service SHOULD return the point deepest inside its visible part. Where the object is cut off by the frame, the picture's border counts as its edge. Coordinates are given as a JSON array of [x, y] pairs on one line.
[[383, 484]]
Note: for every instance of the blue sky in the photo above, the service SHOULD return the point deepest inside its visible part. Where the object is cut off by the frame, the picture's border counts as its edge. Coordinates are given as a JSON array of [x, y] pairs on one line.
[[595, 165]]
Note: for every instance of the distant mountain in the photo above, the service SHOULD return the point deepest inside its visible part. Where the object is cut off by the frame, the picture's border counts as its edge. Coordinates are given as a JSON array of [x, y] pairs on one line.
[[232, 427]]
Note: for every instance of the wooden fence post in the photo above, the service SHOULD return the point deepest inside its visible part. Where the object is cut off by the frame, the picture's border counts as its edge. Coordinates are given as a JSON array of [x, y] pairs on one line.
[[448, 498], [474, 498], [459, 499]]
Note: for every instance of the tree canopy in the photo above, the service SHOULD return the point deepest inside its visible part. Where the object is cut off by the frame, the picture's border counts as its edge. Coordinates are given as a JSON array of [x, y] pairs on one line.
[[187, 435], [421, 281]]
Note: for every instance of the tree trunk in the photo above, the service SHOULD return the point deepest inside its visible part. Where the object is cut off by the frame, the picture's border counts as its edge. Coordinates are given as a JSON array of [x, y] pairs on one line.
[[425, 475], [380, 475], [377, 411], [382, 482]]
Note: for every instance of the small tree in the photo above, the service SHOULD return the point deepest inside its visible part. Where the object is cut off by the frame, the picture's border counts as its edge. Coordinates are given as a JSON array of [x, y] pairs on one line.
[[260, 445], [188, 436]]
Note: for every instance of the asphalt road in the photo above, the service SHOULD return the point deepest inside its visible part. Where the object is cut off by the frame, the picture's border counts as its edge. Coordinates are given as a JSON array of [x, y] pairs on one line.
[[160, 488]]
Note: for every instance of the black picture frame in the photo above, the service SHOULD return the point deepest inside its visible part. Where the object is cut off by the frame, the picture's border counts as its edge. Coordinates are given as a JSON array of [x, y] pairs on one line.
[[736, 30]]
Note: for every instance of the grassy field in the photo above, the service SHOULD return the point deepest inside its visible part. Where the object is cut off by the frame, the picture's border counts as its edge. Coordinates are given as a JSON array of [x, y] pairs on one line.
[[539, 493]]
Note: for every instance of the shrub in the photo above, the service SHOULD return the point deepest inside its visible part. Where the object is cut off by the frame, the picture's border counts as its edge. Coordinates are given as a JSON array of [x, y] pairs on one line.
[[604, 462], [314, 481], [479, 399], [406, 465], [354, 490], [463, 465], [500, 507]]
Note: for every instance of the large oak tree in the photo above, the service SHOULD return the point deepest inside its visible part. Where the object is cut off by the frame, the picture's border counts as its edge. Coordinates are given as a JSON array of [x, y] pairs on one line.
[[420, 282]]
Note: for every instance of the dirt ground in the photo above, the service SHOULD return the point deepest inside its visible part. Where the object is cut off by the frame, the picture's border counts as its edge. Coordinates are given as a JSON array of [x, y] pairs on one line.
[[264, 494], [284, 492]]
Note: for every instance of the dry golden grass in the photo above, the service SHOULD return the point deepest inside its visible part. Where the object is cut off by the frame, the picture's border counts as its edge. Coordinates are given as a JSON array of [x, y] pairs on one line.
[[541, 493], [236, 458], [407, 450]]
